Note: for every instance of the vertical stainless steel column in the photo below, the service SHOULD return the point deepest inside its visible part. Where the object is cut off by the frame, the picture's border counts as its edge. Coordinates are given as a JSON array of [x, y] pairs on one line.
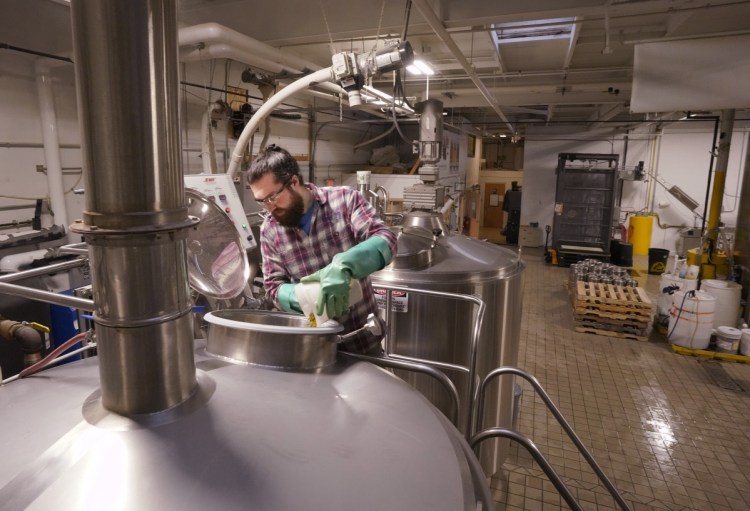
[[136, 219]]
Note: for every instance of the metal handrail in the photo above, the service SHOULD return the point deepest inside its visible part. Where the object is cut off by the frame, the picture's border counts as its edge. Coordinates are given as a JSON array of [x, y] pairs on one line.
[[530, 446], [45, 296], [44, 270], [472, 368], [434, 363], [560, 419], [446, 382]]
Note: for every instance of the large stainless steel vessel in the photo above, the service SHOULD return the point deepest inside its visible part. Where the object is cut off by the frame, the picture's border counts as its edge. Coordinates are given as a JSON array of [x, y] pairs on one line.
[[347, 436], [440, 329]]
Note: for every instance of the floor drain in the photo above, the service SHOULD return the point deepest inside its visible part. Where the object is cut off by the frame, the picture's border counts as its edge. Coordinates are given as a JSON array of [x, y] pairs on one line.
[[719, 375]]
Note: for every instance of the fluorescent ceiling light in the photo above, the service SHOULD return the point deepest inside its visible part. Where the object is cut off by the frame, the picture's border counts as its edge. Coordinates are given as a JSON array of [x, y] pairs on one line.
[[420, 67], [533, 30]]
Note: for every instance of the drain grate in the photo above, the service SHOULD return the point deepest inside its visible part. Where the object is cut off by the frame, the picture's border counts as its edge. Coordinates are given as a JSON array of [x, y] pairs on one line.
[[719, 375]]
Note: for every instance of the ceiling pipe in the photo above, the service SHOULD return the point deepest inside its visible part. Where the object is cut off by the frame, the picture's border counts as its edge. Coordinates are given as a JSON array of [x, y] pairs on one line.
[[215, 41], [437, 25], [213, 34], [601, 118]]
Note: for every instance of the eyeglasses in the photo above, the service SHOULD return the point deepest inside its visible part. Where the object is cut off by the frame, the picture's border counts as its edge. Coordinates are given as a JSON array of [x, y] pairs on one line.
[[271, 199]]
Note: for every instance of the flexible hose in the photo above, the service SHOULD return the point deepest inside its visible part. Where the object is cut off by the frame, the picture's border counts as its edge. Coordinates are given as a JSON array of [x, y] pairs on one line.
[[679, 313], [376, 138], [52, 355], [320, 76]]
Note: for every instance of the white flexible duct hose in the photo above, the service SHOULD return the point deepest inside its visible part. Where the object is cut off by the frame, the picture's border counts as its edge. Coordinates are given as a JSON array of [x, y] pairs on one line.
[[323, 75]]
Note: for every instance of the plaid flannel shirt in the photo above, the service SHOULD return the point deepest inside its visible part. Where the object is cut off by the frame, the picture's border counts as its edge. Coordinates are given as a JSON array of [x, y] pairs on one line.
[[343, 218]]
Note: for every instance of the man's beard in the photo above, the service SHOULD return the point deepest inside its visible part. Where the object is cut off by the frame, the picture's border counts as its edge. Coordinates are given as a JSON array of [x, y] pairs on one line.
[[290, 217]]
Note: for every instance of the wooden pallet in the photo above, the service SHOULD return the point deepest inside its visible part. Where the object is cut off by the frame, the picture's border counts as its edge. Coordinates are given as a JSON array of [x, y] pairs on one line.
[[612, 311], [609, 324], [611, 333], [610, 298], [637, 315]]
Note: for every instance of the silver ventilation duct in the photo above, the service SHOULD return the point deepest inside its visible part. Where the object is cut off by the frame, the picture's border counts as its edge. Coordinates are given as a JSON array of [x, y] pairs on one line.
[[136, 219]]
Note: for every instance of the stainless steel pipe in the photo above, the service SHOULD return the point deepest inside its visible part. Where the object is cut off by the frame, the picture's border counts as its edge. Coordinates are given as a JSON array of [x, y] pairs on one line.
[[46, 296], [136, 218]]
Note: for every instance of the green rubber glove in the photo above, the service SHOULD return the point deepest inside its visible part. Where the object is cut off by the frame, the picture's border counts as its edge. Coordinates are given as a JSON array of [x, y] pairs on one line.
[[358, 262], [334, 289], [288, 299]]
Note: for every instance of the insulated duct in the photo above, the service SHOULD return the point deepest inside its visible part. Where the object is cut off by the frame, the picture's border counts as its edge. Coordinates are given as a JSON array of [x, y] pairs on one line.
[[215, 41], [135, 220]]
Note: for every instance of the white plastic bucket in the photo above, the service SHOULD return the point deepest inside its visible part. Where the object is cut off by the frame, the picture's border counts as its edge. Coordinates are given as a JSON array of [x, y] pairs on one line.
[[727, 296], [728, 339], [691, 319], [745, 342]]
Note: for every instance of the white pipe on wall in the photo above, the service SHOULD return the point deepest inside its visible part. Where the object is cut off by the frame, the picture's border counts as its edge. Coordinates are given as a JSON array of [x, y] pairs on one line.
[[51, 144]]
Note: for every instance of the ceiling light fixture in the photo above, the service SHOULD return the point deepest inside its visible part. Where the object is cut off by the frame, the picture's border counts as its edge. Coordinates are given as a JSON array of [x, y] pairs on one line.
[[420, 67]]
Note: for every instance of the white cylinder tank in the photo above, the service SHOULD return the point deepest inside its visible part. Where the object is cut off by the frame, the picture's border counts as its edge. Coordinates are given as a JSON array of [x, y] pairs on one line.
[[727, 296], [691, 319]]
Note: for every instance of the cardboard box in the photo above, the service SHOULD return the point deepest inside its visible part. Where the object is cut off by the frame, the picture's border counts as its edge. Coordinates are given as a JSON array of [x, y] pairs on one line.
[[530, 236]]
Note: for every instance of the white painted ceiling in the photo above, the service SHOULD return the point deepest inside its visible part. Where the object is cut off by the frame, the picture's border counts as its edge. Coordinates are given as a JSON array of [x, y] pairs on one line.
[[583, 78]]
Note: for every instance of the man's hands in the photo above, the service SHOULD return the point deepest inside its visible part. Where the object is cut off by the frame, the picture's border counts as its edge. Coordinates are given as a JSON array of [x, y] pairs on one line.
[[334, 288]]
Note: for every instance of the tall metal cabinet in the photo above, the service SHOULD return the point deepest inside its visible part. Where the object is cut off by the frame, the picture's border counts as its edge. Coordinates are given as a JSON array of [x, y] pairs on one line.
[[584, 206]]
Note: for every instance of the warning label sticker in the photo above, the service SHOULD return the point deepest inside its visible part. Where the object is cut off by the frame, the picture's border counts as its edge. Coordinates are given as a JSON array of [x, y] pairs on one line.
[[399, 300]]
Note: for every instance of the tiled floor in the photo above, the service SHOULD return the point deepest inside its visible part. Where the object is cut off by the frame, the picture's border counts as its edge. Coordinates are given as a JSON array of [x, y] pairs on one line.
[[663, 431]]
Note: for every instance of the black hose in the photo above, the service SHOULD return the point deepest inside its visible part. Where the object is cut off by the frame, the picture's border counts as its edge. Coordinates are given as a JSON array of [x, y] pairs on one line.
[[5, 46], [679, 313], [407, 12]]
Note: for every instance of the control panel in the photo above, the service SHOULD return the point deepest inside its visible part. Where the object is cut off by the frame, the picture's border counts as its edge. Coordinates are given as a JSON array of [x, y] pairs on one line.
[[220, 189]]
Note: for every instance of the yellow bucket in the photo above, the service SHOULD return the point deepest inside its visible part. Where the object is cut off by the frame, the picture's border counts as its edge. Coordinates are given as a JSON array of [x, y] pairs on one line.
[[639, 233]]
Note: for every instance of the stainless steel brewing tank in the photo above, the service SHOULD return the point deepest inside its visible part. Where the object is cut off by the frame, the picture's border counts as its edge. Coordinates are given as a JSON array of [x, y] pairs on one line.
[[347, 436], [440, 329]]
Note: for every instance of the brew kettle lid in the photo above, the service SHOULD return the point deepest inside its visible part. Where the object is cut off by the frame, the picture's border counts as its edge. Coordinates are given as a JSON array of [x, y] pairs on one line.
[[217, 261]]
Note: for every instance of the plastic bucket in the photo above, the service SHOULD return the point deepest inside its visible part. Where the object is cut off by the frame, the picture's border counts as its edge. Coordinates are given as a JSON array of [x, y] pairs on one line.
[[657, 260], [639, 233], [727, 296], [691, 319], [622, 253], [745, 342], [664, 303], [728, 339]]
